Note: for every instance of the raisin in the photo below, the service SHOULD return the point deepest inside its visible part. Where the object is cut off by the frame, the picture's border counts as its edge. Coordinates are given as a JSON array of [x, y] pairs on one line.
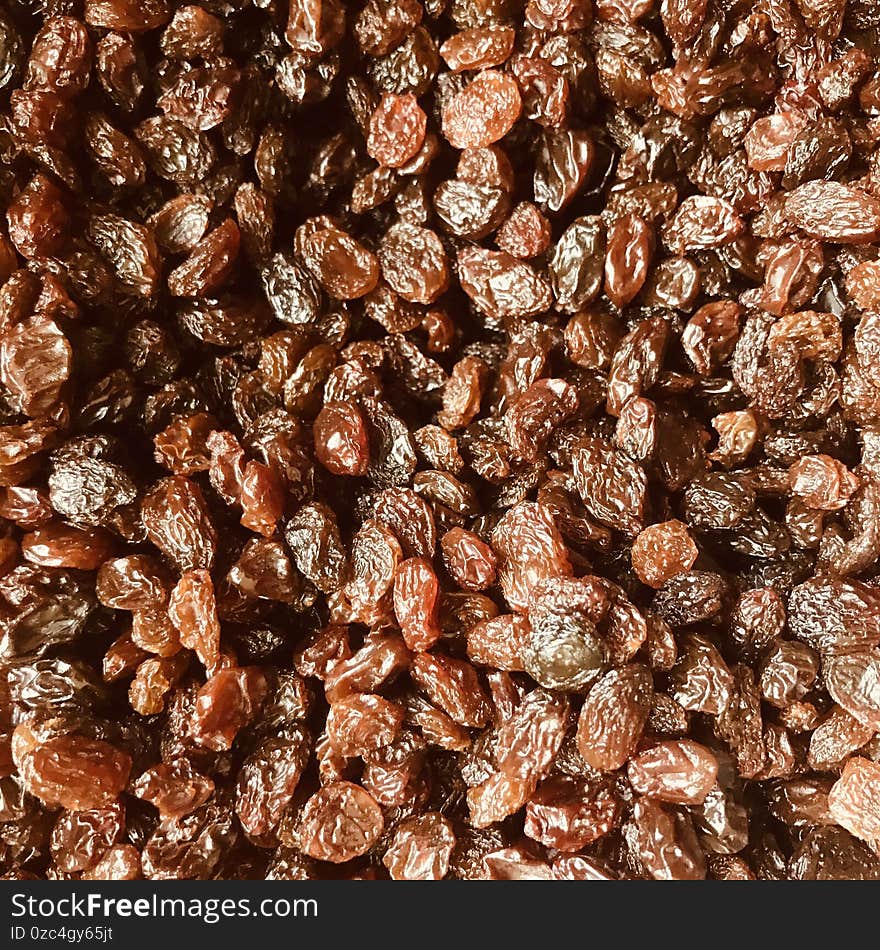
[[202, 98], [740, 724], [153, 631], [209, 263], [190, 847], [381, 25], [70, 770], [80, 839], [182, 447], [470, 561], [131, 251], [37, 219], [666, 844], [562, 649], [341, 440], [134, 582], [711, 334], [478, 47], [120, 69], [690, 597], [529, 549], [852, 680], [416, 603], [414, 263], [502, 286], [126, 15], [534, 415], [768, 140], [817, 335], [717, 501], [577, 263], [313, 538], [264, 571], [822, 482], [525, 233], [343, 266], [527, 746], [834, 738], [700, 679], [637, 362], [421, 848], [375, 557], [612, 487], [463, 392], [382, 657], [361, 723], [834, 212], [499, 642], [61, 56], [152, 682], [613, 717], [591, 337], [701, 222], [60, 545], [569, 814], [193, 610], [453, 685], [627, 259], [340, 822], [35, 362], [397, 130], [852, 801], [677, 771], [191, 32], [483, 112], [268, 780], [835, 616], [120, 863], [662, 551], [177, 521], [586, 293], [226, 703], [788, 673]]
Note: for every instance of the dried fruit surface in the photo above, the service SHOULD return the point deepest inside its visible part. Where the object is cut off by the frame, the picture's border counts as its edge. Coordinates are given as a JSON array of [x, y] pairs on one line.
[[339, 823], [613, 717], [439, 439], [662, 551], [483, 112]]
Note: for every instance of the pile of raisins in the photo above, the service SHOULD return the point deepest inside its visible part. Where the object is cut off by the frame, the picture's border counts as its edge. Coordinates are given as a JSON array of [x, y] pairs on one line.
[[440, 438]]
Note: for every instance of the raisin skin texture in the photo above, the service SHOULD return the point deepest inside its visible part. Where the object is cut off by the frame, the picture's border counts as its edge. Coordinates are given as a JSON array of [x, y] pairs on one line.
[[177, 521], [482, 113], [72, 771], [473, 400], [662, 551], [339, 823], [613, 717]]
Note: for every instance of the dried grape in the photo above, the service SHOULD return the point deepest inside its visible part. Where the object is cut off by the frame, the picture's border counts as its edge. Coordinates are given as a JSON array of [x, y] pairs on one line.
[[439, 439]]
